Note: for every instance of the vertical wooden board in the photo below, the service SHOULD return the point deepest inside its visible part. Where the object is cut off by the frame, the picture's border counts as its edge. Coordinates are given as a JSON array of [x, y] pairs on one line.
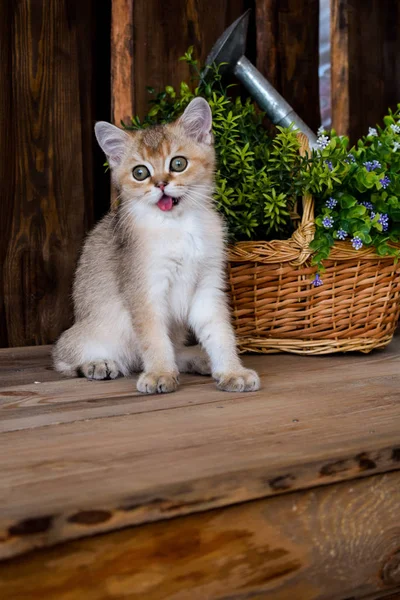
[[288, 52], [7, 151], [121, 60], [333, 543], [149, 37], [366, 65], [267, 33], [340, 66], [49, 203]]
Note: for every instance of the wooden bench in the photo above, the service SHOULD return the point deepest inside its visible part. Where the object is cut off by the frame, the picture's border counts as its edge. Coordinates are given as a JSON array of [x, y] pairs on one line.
[[292, 492]]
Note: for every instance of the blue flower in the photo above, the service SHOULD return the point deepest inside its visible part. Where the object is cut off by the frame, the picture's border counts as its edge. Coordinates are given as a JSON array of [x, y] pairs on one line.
[[384, 182], [384, 221], [351, 158], [395, 128], [372, 165], [341, 234], [356, 243], [327, 222], [367, 204], [372, 131], [330, 165], [322, 141], [317, 281], [331, 203]]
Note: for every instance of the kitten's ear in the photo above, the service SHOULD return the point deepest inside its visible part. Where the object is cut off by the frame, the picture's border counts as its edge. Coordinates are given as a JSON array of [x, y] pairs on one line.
[[112, 141], [197, 121]]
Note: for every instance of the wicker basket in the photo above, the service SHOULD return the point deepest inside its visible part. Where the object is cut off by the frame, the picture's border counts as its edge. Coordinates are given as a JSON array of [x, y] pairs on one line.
[[277, 309]]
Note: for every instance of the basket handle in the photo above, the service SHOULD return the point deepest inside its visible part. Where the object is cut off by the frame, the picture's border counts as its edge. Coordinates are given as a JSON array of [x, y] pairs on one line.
[[304, 234]]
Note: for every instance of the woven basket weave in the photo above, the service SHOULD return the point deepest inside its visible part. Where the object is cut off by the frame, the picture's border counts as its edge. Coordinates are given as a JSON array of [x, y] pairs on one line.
[[277, 309]]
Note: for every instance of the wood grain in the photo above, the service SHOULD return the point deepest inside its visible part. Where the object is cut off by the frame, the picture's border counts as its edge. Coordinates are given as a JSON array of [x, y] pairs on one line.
[[47, 198], [340, 68], [122, 83], [149, 36], [7, 151], [365, 63], [287, 52], [332, 543], [71, 450]]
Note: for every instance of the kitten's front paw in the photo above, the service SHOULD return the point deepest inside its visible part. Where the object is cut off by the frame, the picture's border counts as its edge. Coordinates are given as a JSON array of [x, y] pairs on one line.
[[99, 369], [244, 380], [161, 383]]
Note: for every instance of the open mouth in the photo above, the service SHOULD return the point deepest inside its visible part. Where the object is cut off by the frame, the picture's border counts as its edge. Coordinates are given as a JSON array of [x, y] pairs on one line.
[[166, 203]]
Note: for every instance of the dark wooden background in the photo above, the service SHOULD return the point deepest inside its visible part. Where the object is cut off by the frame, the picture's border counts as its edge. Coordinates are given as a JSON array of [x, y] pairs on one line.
[[56, 61]]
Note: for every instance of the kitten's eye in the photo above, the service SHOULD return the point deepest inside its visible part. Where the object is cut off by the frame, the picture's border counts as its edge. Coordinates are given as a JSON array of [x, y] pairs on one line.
[[141, 173], [179, 163]]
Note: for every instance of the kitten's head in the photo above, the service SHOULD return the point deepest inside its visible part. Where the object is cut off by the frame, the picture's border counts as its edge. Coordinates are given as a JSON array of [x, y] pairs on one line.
[[166, 168]]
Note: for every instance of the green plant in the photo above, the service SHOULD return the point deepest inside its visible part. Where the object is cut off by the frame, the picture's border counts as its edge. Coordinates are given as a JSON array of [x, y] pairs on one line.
[[260, 179], [362, 204]]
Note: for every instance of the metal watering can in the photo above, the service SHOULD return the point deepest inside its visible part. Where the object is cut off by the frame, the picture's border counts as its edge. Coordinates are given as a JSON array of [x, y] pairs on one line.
[[229, 49]]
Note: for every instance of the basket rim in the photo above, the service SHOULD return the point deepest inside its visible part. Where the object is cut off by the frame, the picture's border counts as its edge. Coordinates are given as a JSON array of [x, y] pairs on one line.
[[283, 251]]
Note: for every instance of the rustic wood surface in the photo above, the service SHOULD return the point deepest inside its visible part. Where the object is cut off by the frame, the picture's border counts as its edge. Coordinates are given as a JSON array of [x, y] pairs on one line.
[[80, 457], [337, 542], [7, 151], [148, 38], [47, 199], [288, 54], [365, 63], [340, 68], [122, 76]]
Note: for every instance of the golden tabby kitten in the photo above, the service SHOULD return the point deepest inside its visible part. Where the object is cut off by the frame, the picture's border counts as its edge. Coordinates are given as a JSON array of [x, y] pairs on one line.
[[155, 267]]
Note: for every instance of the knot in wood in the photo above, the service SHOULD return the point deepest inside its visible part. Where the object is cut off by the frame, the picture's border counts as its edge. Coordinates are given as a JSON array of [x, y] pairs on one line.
[[390, 573]]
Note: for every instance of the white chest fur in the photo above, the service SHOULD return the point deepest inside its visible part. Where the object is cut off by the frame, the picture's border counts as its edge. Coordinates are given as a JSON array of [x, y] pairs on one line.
[[177, 254]]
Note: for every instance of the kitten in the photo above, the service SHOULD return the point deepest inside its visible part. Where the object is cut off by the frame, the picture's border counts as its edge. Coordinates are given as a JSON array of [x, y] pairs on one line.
[[154, 268]]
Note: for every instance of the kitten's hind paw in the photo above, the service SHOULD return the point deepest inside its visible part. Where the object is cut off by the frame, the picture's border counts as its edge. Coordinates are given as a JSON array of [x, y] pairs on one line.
[[244, 380], [99, 369], [190, 361], [161, 383]]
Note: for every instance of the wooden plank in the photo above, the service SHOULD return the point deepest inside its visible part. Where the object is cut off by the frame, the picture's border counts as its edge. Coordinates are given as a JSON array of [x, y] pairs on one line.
[[7, 151], [32, 394], [340, 70], [287, 52], [365, 63], [333, 419], [47, 208], [336, 542], [122, 85]]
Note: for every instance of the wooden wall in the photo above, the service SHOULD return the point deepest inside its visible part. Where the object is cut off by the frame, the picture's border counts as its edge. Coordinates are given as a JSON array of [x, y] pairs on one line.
[[149, 36], [48, 104], [288, 52], [365, 38], [55, 83]]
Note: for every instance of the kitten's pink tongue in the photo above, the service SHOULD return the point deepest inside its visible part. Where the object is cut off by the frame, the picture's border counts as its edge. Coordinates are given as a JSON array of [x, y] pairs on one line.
[[165, 203]]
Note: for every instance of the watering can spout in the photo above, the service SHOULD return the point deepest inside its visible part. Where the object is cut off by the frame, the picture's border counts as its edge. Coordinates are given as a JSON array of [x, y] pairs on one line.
[[229, 50]]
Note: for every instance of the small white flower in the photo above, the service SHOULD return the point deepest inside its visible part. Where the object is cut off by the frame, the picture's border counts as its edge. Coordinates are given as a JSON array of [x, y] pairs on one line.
[[321, 130], [395, 128], [372, 131], [396, 146], [322, 141], [379, 143]]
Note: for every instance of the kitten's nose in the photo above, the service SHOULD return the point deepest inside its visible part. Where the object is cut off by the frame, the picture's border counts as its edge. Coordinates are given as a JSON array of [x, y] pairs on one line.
[[161, 185]]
